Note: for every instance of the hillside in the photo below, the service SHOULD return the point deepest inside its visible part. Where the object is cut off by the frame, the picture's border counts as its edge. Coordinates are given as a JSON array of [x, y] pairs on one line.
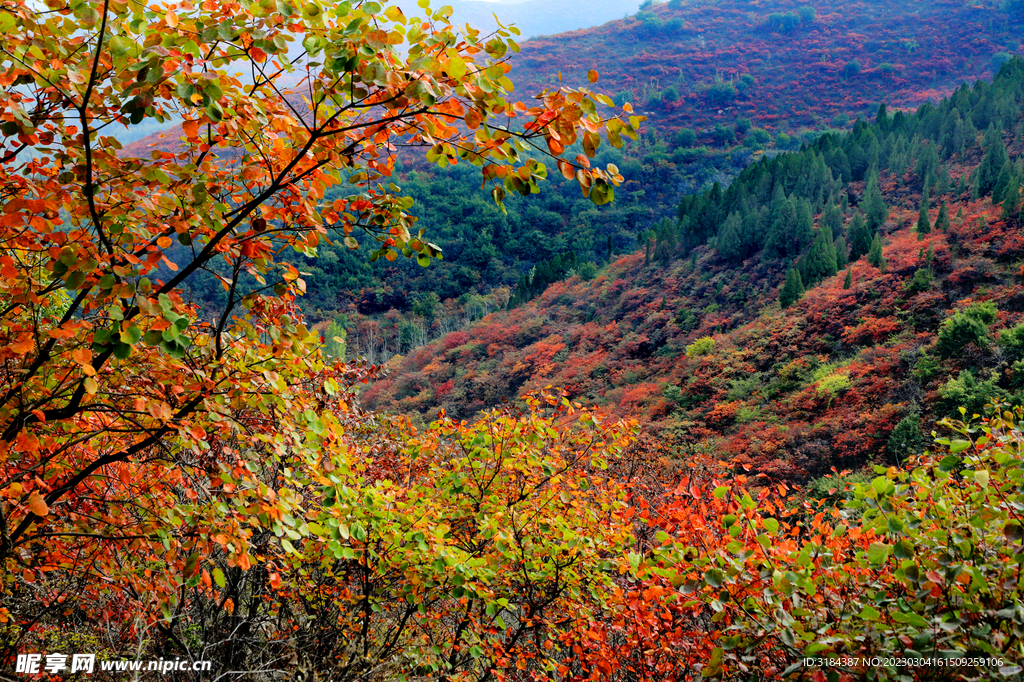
[[752, 80], [787, 65], [690, 336]]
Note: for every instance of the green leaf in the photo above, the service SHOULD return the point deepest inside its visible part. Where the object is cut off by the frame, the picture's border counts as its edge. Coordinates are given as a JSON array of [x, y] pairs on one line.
[[131, 336], [949, 463], [959, 446], [878, 553], [218, 577], [214, 112]]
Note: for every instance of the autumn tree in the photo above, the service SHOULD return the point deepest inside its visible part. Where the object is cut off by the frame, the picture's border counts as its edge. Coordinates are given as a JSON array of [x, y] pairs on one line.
[[134, 425]]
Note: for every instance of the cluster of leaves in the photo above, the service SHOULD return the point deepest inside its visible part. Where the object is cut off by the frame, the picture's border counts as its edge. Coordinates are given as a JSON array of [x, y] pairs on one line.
[[914, 576]]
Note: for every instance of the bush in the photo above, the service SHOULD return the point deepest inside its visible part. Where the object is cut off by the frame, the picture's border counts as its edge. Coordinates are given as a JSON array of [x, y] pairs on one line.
[[966, 392], [958, 332], [587, 271], [670, 94], [906, 439], [922, 281], [1012, 343], [833, 384], [685, 137], [757, 138], [700, 347], [852, 68]]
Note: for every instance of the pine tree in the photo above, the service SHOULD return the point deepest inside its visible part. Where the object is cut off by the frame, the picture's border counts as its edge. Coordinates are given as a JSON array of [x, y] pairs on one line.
[[730, 238], [804, 232], [832, 217], [1011, 198], [860, 237], [875, 209], [842, 254], [994, 162], [1003, 183], [923, 225], [821, 258], [792, 290], [848, 282], [942, 220], [875, 256]]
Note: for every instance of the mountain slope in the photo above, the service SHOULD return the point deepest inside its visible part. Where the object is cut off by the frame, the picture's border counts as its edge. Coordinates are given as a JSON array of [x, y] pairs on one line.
[[694, 342], [785, 64]]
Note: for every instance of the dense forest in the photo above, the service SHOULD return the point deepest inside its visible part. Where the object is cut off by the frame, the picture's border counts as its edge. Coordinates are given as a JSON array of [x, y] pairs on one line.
[[360, 374]]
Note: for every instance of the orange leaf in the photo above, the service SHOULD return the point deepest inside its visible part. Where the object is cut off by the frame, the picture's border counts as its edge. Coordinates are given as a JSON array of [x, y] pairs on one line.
[[191, 128], [37, 505], [171, 18], [592, 75]]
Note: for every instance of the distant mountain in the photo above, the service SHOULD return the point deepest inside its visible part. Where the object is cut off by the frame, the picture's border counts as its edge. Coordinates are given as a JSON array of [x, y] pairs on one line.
[[786, 65], [531, 17]]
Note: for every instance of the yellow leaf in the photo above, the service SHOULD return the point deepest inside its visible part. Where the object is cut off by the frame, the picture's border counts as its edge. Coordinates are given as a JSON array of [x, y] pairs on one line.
[[37, 505], [456, 67]]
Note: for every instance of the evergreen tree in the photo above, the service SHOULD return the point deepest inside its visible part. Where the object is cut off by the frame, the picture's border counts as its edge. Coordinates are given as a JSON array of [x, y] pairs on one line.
[[730, 238], [833, 218], [875, 256], [842, 253], [875, 209], [927, 162], [848, 282], [792, 290], [779, 241], [821, 258], [860, 237], [882, 118], [923, 224], [804, 233], [994, 162], [942, 220], [1003, 183], [1011, 199]]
